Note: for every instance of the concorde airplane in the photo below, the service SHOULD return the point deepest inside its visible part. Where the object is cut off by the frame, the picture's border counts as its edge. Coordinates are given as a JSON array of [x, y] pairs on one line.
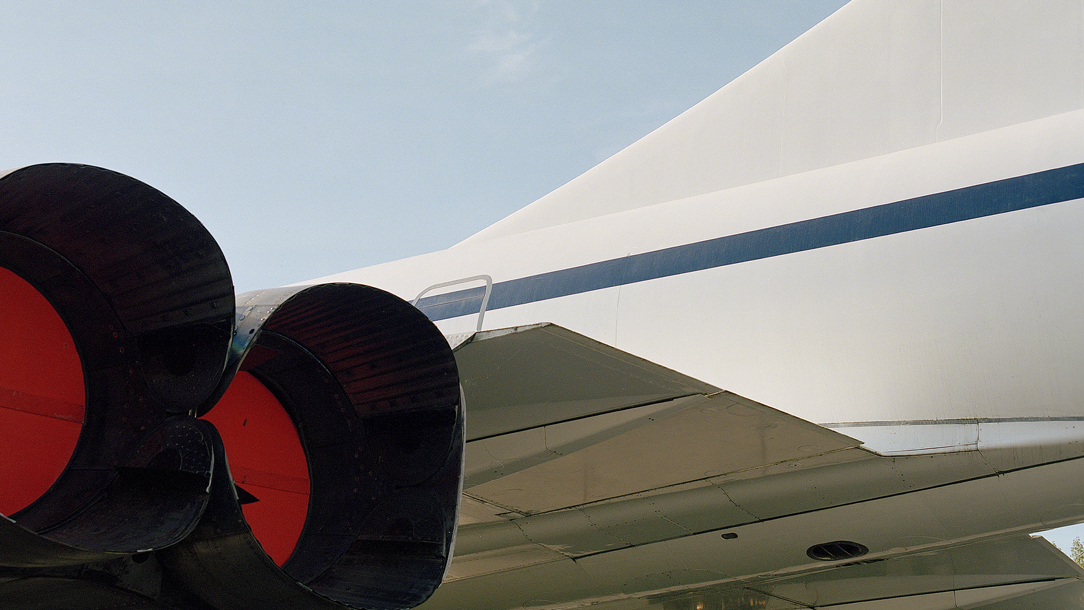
[[815, 343]]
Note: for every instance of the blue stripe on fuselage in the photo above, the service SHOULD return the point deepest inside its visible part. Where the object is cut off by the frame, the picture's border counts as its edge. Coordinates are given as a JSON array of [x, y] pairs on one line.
[[999, 197]]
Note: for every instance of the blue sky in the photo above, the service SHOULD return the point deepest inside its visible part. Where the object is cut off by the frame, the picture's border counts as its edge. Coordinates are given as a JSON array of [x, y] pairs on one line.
[[313, 138]]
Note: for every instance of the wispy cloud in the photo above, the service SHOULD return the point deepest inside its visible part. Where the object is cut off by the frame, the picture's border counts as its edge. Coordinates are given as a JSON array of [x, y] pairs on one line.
[[504, 39]]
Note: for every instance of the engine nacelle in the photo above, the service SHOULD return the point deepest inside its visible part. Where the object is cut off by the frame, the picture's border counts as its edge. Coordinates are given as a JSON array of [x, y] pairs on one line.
[[372, 391], [338, 407]]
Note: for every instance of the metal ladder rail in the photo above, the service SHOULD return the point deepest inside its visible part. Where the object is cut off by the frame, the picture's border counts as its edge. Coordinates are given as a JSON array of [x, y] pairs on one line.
[[474, 278]]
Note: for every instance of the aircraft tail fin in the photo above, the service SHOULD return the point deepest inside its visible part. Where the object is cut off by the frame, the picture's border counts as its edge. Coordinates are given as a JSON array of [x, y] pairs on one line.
[[875, 77]]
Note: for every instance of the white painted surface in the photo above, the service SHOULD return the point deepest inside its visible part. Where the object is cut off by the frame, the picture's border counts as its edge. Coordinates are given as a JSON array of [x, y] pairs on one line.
[[966, 320], [874, 78]]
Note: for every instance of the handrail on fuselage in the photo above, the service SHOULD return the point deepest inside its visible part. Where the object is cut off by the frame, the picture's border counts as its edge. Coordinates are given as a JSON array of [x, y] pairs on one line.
[[474, 278]]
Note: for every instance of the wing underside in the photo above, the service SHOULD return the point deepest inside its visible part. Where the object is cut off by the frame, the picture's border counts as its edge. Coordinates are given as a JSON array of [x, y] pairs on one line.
[[634, 486]]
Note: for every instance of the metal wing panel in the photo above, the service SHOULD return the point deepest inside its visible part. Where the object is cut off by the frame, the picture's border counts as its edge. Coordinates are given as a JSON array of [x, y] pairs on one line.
[[977, 574], [558, 420], [531, 376], [590, 491], [715, 435], [1015, 573], [1066, 593]]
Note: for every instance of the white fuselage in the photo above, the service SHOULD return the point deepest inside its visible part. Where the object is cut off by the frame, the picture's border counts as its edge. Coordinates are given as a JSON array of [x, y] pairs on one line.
[[973, 320]]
